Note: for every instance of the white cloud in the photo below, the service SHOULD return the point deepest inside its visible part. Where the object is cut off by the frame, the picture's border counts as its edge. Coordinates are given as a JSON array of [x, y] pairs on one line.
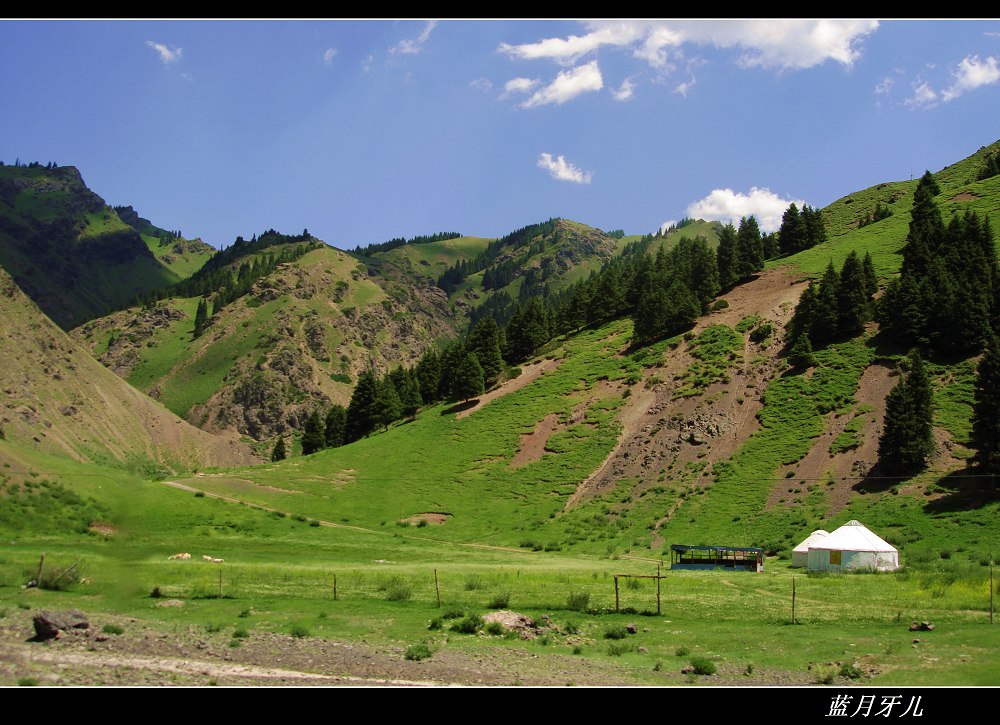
[[884, 86], [518, 85], [561, 169], [683, 88], [411, 46], [667, 224], [923, 96], [971, 74], [328, 55], [168, 53], [769, 43], [726, 205], [567, 51], [481, 84], [568, 85], [366, 64], [625, 91]]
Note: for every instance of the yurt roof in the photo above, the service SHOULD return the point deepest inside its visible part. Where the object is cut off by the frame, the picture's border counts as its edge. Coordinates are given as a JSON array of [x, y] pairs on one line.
[[853, 536], [811, 540]]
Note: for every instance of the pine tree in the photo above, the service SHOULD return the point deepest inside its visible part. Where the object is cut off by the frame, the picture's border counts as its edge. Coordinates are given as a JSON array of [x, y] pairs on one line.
[[278, 452], [725, 255], [484, 342], [824, 325], [801, 353], [313, 435], [986, 412], [871, 279], [792, 232], [409, 395], [387, 407], [468, 381], [336, 423], [908, 435], [361, 411], [749, 248], [650, 314], [852, 300], [201, 317]]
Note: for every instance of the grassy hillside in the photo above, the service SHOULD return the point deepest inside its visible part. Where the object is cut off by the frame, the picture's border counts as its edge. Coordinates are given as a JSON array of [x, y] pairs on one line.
[[58, 399], [960, 191], [67, 249], [296, 342]]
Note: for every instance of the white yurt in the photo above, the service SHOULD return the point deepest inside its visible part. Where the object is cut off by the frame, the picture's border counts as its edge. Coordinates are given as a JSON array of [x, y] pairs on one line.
[[800, 554], [852, 546]]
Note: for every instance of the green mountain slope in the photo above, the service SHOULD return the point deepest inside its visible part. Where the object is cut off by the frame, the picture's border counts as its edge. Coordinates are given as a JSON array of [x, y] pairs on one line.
[[181, 256], [294, 343], [67, 249]]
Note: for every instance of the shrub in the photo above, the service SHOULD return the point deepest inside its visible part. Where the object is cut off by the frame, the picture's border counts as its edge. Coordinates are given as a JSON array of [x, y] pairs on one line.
[[719, 305], [682, 651], [475, 581], [500, 600], [112, 629], [199, 494], [495, 628], [572, 628], [578, 650], [299, 631], [578, 601], [702, 665], [399, 592], [234, 643], [156, 593], [616, 649], [27, 681], [761, 332], [313, 522], [417, 652], [240, 633], [469, 625], [213, 628], [435, 624], [825, 675], [850, 671], [244, 614], [615, 631]]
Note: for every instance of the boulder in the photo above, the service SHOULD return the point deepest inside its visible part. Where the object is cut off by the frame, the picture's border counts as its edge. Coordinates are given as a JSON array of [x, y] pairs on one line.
[[48, 625]]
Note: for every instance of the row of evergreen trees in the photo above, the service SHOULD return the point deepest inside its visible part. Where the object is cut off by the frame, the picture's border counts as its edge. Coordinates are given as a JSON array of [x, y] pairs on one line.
[[800, 229], [374, 248], [945, 298]]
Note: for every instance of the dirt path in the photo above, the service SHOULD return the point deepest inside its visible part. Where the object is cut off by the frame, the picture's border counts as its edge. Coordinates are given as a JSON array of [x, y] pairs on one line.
[[533, 444], [529, 373]]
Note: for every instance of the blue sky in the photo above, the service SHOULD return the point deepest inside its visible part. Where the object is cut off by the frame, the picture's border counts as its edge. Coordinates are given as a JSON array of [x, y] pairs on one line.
[[362, 131]]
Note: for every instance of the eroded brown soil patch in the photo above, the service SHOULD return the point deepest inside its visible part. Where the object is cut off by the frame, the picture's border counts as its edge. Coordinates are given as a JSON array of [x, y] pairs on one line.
[[529, 373]]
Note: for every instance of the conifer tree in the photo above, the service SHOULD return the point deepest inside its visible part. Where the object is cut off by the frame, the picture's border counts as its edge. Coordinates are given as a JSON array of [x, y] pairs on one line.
[[725, 255], [824, 325], [852, 300], [749, 248], [986, 412], [468, 381], [361, 411], [200, 317], [908, 436], [313, 435], [484, 342], [336, 423], [387, 407], [792, 232], [278, 452]]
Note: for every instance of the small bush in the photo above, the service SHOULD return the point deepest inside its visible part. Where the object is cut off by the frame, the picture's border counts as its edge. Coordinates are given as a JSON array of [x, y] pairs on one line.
[[616, 649], [850, 671], [469, 625], [27, 681], [702, 665], [453, 614], [313, 522], [213, 628], [112, 629], [578, 601], [495, 628], [475, 581], [244, 614], [435, 624], [156, 593], [234, 643], [199, 494], [240, 633], [682, 651], [572, 628], [299, 631], [825, 675], [500, 600], [399, 592], [577, 650], [615, 631], [719, 305], [417, 652]]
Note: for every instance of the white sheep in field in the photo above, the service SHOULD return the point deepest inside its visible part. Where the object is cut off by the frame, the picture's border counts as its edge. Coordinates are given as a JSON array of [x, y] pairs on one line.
[[212, 559], [185, 555]]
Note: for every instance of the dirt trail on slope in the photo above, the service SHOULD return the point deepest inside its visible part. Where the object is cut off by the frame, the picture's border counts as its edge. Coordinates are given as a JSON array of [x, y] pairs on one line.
[[663, 434], [529, 373]]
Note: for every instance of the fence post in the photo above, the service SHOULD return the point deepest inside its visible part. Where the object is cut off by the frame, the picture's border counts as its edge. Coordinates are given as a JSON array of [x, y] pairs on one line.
[[334, 587], [437, 589], [616, 593], [220, 581], [793, 600], [658, 577]]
